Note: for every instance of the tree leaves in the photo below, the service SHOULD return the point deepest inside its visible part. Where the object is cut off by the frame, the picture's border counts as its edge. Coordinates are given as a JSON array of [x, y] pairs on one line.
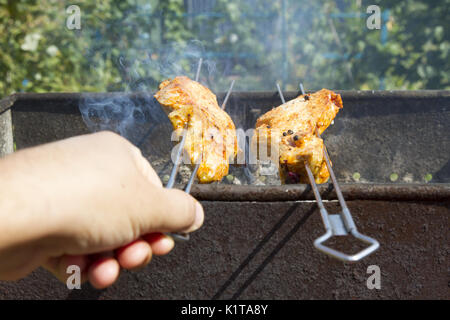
[[327, 44]]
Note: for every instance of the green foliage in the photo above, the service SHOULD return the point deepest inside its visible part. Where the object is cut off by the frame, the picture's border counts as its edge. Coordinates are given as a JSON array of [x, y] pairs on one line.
[[124, 44], [414, 55]]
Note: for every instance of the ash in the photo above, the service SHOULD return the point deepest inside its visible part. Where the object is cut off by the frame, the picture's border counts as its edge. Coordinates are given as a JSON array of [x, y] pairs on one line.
[[238, 174]]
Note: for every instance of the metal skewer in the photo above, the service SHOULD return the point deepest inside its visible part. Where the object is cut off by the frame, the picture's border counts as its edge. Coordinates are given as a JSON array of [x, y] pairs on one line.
[[176, 166], [174, 172], [280, 93], [199, 68], [335, 224], [173, 175], [227, 96]]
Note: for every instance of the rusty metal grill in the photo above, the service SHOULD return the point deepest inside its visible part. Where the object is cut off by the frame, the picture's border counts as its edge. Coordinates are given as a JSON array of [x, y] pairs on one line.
[[257, 239]]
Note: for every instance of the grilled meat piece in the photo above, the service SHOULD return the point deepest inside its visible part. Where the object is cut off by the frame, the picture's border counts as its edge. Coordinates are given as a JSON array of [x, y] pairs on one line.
[[292, 126], [211, 137]]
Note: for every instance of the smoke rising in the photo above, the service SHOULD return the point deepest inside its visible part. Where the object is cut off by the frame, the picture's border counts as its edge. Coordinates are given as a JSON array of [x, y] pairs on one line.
[[130, 112]]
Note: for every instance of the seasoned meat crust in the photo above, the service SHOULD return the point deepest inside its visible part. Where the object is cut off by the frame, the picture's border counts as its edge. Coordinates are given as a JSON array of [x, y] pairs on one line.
[[293, 126], [211, 137]]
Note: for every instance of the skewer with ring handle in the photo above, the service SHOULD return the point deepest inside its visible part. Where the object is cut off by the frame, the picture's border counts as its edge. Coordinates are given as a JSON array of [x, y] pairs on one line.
[[174, 172], [176, 166], [335, 224]]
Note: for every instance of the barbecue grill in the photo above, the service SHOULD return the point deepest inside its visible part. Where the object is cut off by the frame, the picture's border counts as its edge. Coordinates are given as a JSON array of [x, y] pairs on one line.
[[390, 152]]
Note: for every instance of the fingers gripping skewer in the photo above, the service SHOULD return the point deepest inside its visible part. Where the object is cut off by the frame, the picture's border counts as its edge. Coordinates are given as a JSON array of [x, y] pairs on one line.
[[335, 224]]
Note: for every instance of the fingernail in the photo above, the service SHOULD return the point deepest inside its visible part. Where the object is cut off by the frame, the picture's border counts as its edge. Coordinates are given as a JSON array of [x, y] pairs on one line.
[[163, 239], [149, 257], [199, 216], [167, 243]]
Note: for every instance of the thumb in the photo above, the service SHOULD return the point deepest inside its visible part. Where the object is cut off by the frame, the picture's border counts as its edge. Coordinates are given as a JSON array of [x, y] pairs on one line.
[[173, 210]]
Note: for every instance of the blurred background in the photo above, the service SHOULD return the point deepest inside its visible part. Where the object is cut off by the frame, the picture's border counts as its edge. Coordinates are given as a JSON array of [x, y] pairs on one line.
[[128, 45]]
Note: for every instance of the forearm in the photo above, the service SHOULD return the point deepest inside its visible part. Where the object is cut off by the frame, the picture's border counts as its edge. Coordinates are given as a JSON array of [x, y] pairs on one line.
[[25, 213]]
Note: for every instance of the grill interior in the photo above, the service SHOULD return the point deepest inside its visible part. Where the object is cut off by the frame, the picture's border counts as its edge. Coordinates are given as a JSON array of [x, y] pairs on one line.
[[378, 137]]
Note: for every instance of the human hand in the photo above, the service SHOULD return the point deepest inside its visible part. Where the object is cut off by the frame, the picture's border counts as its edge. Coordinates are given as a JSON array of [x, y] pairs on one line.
[[93, 201]]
